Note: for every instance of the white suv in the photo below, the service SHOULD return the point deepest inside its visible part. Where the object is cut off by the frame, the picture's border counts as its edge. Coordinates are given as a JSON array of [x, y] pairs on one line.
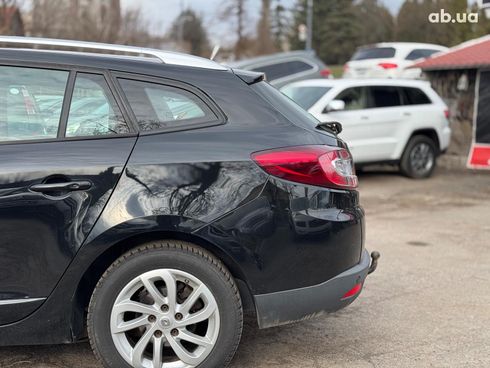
[[390, 121], [389, 60]]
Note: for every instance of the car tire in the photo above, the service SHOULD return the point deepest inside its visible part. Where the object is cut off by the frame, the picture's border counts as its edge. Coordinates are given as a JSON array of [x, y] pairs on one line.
[[145, 276], [419, 158]]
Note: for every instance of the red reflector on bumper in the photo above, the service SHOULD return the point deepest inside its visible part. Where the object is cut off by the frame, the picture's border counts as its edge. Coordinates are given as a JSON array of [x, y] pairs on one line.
[[354, 291]]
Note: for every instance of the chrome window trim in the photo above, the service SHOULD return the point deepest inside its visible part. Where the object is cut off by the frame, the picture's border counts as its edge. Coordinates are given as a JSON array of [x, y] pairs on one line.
[[20, 301]]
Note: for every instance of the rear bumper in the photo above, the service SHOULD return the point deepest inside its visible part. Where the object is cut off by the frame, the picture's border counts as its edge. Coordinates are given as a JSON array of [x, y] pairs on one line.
[[445, 138], [289, 306]]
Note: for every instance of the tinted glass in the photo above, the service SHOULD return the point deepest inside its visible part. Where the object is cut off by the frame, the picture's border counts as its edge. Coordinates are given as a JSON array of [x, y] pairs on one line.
[[354, 98], [27, 96], [384, 96], [158, 106], [420, 53], [279, 70], [306, 97], [374, 53], [93, 110], [292, 111], [414, 96]]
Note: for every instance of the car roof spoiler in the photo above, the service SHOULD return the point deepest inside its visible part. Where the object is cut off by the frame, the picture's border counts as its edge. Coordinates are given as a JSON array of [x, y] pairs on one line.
[[248, 76]]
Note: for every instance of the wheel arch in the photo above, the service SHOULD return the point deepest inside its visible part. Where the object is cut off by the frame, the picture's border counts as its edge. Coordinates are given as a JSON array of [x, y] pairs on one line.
[[94, 271], [429, 133]]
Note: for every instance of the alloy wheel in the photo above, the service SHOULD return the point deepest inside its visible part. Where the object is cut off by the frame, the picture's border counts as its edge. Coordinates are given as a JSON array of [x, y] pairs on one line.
[[165, 318], [421, 158]]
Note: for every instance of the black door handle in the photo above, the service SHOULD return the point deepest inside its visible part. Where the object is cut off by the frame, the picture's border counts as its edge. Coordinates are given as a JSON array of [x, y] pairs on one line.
[[69, 186]]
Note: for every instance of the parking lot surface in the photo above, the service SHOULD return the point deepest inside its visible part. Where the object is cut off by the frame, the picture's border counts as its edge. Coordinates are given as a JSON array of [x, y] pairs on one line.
[[427, 305]]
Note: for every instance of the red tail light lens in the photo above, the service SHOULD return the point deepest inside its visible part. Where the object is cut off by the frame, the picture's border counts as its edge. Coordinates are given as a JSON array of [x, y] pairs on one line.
[[323, 166], [325, 72], [388, 65], [447, 114]]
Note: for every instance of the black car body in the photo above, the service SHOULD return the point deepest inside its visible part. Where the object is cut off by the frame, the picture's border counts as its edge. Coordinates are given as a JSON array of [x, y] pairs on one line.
[[71, 205]]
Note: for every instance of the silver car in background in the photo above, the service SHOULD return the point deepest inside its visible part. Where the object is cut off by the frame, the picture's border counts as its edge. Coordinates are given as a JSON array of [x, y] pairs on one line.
[[286, 67]]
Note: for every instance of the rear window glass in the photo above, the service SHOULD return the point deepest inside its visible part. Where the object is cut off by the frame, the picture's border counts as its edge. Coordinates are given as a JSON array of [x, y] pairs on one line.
[[305, 96], [414, 96], [279, 70], [285, 105], [374, 53], [420, 53], [384, 96], [159, 106]]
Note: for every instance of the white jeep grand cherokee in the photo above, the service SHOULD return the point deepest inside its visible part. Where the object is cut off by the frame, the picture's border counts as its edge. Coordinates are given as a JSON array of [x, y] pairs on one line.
[[403, 122]]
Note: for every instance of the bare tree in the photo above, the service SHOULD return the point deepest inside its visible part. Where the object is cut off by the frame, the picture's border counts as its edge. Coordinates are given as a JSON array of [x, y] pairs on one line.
[[10, 18], [265, 45], [235, 10], [99, 21], [133, 30]]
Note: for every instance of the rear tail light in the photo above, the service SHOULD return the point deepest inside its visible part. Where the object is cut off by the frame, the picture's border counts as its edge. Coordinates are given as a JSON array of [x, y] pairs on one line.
[[388, 65], [325, 72], [447, 114], [323, 166], [346, 67]]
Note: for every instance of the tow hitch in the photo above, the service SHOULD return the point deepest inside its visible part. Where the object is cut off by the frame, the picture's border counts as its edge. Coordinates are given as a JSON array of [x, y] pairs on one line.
[[374, 261]]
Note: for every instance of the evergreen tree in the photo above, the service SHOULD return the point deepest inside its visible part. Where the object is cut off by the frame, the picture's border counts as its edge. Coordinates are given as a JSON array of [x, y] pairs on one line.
[[336, 29], [279, 25], [188, 27], [413, 22], [377, 22]]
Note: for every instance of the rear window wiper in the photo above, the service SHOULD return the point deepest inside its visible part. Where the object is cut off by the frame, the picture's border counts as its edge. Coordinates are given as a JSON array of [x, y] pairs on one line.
[[331, 126]]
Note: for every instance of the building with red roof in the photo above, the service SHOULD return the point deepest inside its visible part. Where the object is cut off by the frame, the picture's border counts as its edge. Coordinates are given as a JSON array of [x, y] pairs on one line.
[[462, 77]]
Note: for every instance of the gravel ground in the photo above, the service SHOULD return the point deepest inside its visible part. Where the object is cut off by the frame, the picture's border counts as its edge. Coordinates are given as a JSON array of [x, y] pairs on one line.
[[427, 305]]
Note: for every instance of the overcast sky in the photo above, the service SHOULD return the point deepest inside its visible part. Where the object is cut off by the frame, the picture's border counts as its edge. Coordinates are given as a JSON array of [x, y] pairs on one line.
[[161, 13]]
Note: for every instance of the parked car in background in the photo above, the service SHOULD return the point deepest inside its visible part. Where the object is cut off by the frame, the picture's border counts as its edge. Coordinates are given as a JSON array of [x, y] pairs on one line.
[[286, 67], [120, 224], [402, 122], [389, 60]]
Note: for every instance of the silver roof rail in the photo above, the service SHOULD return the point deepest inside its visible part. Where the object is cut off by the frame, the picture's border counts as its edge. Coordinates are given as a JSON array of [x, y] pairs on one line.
[[167, 57]]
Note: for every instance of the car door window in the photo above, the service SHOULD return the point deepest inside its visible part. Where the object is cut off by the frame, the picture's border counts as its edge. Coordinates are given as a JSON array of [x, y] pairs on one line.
[[414, 96], [384, 96], [354, 98], [93, 110], [26, 95], [283, 69], [420, 53], [157, 106]]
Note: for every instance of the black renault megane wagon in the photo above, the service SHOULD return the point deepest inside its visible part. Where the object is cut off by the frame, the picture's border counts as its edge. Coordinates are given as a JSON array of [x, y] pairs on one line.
[[148, 201]]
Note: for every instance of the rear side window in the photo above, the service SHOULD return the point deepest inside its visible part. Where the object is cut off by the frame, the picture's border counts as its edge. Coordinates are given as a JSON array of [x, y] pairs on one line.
[[287, 107], [93, 110], [355, 98], [384, 96], [30, 102], [374, 53], [279, 70], [420, 53], [414, 96], [157, 106], [305, 96]]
